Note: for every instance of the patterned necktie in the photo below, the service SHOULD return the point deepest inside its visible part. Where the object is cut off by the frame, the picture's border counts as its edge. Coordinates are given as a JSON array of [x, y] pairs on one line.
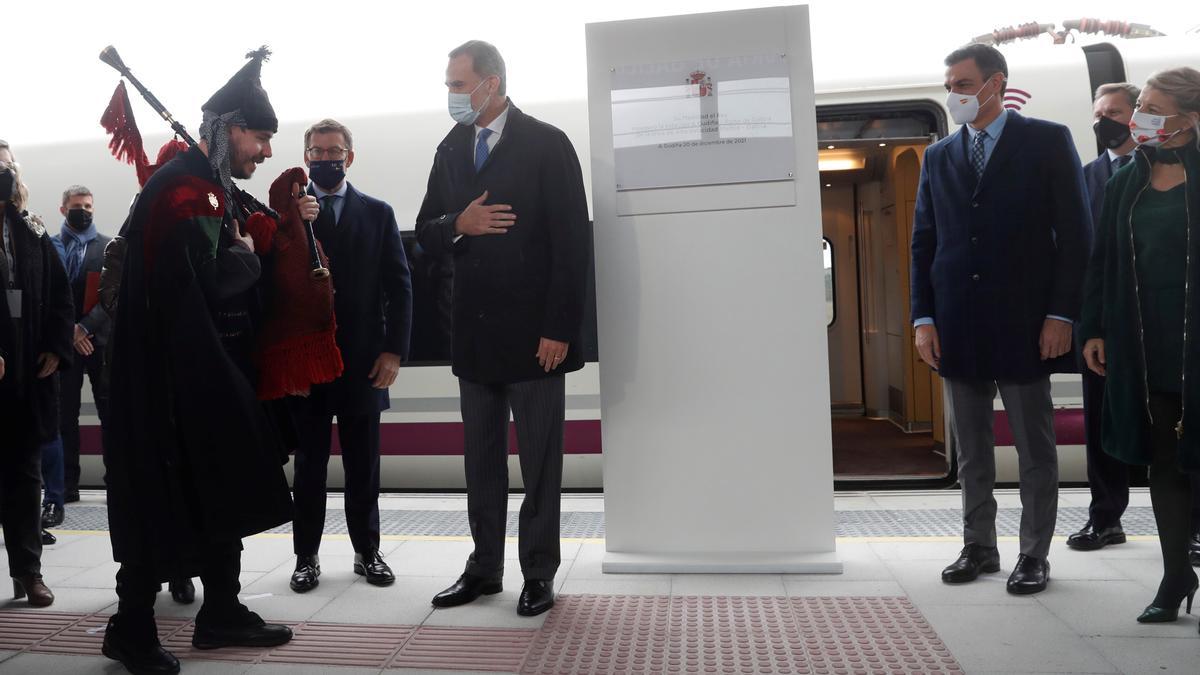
[[1120, 162], [323, 227], [481, 148], [978, 158]]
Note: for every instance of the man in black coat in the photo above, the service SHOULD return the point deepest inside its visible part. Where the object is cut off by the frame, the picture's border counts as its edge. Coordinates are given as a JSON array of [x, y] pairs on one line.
[[506, 199], [373, 309], [82, 250], [35, 342], [194, 462]]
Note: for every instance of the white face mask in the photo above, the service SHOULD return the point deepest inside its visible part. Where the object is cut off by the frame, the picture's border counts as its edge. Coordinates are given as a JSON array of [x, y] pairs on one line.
[[1150, 130], [461, 109], [964, 108]]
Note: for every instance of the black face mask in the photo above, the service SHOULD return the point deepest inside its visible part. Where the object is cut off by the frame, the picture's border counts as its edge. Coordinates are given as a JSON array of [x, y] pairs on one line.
[[8, 183], [1111, 133], [79, 219], [327, 173]]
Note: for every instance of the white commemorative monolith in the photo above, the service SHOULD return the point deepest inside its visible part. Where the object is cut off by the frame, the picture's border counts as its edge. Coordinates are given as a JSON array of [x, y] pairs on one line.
[[713, 366]]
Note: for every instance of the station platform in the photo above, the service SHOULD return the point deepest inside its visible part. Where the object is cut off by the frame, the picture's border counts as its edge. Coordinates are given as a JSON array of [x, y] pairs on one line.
[[888, 612]]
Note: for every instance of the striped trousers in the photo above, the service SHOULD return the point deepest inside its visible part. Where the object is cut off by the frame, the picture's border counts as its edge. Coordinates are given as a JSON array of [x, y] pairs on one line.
[[538, 410]]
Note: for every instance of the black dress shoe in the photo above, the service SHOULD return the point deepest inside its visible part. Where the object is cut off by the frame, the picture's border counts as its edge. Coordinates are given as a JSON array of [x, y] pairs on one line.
[[48, 538], [466, 589], [1093, 538], [71, 496], [1194, 550], [973, 560], [305, 578], [52, 515], [242, 629], [182, 590], [141, 654], [372, 566], [1029, 576], [537, 596]]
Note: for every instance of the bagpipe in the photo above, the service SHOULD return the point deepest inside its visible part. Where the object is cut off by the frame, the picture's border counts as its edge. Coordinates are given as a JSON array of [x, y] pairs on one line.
[[245, 203], [296, 343]]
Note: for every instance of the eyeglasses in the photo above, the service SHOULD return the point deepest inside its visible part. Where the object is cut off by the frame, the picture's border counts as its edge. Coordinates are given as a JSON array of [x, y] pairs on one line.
[[336, 152]]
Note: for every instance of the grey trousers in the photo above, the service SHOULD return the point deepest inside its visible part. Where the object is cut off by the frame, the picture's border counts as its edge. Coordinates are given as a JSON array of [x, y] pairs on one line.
[[538, 411], [1031, 415]]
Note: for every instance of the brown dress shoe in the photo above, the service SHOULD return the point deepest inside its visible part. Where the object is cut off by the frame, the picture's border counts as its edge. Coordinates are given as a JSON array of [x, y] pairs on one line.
[[35, 588]]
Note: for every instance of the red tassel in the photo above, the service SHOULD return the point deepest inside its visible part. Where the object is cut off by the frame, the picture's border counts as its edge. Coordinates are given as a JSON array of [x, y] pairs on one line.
[[126, 143], [290, 367]]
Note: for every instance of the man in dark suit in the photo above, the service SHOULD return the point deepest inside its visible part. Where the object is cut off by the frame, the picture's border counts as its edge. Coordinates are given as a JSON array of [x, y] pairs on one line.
[[1108, 477], [373, 310], [81, 249], [999, 247], [506, 198]]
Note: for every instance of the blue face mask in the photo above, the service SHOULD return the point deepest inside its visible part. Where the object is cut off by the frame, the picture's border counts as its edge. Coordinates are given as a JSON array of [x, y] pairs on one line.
[[327, 173], [461, 109]]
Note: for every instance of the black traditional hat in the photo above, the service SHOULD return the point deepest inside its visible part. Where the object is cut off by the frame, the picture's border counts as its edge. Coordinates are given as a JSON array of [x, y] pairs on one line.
[[244, 92]]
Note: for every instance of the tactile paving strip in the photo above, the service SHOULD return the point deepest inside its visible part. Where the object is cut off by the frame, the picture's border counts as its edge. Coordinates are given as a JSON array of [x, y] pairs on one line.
[[1138, 520], [870, 635], [339, 644], [454, 648], [582, 635], [634, 635]]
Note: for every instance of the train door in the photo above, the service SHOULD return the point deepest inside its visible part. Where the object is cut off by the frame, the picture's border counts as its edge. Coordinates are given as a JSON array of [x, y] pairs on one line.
[[888, 422]]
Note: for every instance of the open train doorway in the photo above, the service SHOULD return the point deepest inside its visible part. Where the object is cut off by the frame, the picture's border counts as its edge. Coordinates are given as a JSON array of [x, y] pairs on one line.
[[887, 410]]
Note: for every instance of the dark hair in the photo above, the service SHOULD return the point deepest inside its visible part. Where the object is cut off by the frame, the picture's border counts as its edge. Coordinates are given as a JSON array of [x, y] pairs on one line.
[[989, 60], [485, 60]]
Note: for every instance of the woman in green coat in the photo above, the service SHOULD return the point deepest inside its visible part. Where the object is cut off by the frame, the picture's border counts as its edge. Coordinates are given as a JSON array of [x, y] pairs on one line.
[[1141, 307]]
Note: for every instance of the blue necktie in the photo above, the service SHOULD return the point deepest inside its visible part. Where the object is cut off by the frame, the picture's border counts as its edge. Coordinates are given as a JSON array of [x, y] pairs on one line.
[[481, 148], [978, 158]]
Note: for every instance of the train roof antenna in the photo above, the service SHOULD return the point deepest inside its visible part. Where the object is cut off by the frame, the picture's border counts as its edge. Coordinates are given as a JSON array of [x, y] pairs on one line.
[[1114, 28]]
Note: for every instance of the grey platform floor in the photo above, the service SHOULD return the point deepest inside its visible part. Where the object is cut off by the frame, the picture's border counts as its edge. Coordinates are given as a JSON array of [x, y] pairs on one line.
[[1084, 623]]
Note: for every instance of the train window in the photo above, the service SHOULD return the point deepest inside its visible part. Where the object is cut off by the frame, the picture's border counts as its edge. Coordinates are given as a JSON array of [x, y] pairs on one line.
[[830, 294]]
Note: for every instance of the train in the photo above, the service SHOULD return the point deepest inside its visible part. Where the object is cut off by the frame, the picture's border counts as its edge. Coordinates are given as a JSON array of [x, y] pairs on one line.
[[889, 426]]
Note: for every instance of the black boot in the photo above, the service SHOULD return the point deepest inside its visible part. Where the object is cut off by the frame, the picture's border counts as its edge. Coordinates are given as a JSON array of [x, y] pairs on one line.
[[182, 590], [1171, 497], [135, 644]]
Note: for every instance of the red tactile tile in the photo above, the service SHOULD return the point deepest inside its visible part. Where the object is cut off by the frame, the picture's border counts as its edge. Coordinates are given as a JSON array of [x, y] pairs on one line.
[[602, 634], [20, 629], [454, 648], [369, 646], [608, 635], [584, 635], [870, 635]]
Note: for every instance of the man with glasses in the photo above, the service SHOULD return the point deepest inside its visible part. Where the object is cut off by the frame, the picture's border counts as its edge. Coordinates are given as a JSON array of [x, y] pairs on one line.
[[371, 282]]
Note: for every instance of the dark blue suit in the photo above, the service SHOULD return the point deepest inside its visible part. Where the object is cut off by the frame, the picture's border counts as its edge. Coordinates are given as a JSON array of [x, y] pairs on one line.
[[993, 256], [373, 308], [1108, 477]]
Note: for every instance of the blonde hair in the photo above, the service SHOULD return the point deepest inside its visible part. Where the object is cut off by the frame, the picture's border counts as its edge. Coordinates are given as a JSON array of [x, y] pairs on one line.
[[1182, 85], [21, 192]]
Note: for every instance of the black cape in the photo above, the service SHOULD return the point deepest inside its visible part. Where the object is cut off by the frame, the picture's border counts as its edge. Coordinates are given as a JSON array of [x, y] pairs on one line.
[[191, 457]]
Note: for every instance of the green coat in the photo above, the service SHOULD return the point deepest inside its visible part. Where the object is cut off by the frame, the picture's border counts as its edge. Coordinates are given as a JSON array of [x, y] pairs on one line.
[[1112, 312]]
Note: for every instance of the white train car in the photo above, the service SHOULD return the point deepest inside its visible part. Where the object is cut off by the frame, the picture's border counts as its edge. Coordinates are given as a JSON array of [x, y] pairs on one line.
[[887, 406]]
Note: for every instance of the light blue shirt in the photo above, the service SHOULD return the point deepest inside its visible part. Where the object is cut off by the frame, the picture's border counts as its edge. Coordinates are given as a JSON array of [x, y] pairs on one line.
[[989, 144], [339, 201]]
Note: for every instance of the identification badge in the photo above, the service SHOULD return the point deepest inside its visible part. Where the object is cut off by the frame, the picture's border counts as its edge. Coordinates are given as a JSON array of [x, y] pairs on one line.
[[14, 303]]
